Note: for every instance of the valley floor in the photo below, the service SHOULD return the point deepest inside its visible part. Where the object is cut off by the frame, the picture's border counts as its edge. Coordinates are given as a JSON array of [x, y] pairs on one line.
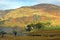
[[39, 35], [29, 38]]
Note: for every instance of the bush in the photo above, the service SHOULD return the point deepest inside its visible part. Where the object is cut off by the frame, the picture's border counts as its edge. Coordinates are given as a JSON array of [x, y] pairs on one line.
[[39, 25], [35, 26]]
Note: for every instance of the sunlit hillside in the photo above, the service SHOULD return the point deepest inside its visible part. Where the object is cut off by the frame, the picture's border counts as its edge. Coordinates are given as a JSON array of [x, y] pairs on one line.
[[32, 14]]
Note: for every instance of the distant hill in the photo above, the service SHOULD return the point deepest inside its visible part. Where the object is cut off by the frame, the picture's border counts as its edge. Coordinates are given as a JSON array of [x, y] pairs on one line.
[[4, 12], [28, 14], [50, 8]]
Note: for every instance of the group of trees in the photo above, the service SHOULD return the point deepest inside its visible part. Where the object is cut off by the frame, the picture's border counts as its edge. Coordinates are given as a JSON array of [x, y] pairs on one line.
[[2, 33], [34, 26], [38, 26], [11, 30]]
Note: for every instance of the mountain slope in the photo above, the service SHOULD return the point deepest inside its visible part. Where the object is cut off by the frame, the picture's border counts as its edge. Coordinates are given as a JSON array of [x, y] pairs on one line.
[[4, 12], [25, 15], [49, 8], [40, 9]]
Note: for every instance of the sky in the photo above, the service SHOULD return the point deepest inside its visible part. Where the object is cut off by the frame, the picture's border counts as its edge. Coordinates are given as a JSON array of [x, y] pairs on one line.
[[12, 4]]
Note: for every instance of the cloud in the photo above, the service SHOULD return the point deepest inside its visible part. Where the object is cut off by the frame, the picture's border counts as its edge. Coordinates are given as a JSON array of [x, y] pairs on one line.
[[47, 1], [11, 4]]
